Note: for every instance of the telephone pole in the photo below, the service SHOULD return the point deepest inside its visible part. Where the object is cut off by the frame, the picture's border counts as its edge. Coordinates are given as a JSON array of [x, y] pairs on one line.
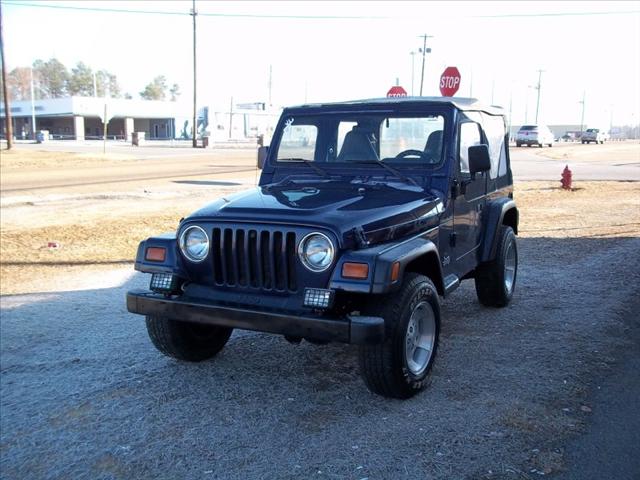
[[195, 126], [538, 87], [584, 94], [413, 70], [8, 121], [424, 50]]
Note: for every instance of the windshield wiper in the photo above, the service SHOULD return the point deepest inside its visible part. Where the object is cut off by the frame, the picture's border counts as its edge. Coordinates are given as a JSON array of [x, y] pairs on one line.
[[397, 173], [307, 162]]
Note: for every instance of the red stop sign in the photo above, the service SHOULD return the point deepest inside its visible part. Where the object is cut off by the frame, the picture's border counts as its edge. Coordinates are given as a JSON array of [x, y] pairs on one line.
[[397, 91], [449, 81]]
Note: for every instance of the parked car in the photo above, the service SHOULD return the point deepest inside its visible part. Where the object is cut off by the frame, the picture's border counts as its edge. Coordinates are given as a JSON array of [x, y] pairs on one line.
[[353, 238], [570, 137], [594, 135], [539, 135]]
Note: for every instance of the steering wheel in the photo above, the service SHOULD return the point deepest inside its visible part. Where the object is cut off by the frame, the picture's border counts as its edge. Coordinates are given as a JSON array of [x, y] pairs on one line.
[[410, 153]]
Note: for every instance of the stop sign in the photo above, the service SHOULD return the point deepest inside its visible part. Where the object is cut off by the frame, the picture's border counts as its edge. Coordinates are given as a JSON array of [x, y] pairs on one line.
[[397, 91], [449, 82]]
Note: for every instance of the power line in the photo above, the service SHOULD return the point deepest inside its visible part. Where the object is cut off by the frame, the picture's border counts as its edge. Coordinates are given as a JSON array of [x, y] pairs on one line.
[[202, 14], [299, 17]]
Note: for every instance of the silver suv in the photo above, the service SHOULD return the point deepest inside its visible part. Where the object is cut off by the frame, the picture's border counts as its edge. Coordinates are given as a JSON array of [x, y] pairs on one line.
[[594, 135], [539, 135]]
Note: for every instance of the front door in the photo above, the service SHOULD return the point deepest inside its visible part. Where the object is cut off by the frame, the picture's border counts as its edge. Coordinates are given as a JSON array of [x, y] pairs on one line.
[[468, 204]]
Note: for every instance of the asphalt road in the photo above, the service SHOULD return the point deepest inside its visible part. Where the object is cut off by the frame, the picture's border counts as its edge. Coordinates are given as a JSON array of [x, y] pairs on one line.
[[588, 162]]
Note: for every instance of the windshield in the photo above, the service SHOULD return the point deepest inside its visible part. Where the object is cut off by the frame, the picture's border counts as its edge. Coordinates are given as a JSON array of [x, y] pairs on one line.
[[525, 128], [360, 138]]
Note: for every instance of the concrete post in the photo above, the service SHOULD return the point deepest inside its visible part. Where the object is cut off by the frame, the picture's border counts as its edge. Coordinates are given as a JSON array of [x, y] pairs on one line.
[[78, 127], [128, 128]]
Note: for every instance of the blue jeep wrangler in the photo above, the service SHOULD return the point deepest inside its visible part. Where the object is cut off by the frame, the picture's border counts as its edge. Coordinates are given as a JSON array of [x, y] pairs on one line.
[[366, 213]]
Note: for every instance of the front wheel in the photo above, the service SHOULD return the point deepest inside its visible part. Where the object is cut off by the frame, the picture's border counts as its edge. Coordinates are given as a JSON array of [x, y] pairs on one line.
[[398, 368], [496, 280], [192, 342]]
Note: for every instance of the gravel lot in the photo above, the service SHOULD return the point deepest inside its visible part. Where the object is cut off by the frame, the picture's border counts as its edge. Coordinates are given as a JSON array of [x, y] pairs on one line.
[[85, 395]]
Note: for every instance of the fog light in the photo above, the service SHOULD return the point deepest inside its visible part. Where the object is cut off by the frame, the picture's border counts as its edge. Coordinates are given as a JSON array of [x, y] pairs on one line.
[[318, 297], [164, 283]]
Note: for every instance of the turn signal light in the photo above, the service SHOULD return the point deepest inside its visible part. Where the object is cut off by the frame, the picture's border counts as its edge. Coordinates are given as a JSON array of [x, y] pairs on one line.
[[395, 271], [355, 270], [155, 254]]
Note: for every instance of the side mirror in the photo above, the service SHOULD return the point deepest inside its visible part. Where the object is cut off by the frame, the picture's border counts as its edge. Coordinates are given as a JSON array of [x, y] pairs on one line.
[[479, 160], [262, 156]]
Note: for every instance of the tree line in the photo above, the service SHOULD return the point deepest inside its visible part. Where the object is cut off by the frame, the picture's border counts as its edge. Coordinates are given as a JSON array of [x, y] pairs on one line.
[[52, 79]]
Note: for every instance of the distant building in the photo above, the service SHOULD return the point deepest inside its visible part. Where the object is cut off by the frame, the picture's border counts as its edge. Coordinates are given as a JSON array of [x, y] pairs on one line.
[[80, 118]]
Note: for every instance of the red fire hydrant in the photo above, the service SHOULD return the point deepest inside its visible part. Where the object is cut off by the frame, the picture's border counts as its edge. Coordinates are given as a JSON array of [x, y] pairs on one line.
[[566, 178]]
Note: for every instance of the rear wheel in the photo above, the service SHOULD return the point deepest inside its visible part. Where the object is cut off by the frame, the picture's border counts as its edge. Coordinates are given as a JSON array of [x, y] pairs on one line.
[[518, 144], [192, 342], [496, 280], [398, 368]]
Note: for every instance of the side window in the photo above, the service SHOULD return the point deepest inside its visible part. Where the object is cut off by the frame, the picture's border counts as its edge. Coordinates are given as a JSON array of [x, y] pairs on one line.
[[343, 129], [494, 129], [469, 136], [298, 142]]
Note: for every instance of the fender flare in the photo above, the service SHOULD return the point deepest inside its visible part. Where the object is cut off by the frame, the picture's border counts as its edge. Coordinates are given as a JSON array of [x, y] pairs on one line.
[[381, 259], [405, 253], [496, 211]]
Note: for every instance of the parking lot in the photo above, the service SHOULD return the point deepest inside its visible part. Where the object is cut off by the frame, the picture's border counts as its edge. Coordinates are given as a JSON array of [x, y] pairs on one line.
[[521, 392]]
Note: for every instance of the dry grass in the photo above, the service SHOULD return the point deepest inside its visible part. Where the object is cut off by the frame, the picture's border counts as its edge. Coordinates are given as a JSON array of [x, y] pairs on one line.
[[109, 236], [17, 159]]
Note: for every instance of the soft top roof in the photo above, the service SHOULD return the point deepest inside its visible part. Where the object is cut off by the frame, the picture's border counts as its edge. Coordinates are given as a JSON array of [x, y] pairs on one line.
[[461, 103]]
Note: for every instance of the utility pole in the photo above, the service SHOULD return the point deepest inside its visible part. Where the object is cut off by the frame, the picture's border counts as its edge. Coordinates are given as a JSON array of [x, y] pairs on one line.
[[584, 94], [270, 84], [5, 90], [195, 125], [33, 110], [538, 87], [424, 50], [413, 70]]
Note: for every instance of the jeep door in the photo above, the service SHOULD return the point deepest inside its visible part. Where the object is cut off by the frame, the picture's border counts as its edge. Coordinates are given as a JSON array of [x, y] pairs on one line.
[[469, 198]]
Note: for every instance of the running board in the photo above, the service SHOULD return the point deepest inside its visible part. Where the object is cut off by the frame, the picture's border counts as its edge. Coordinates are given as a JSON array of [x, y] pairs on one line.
[[451, 282]]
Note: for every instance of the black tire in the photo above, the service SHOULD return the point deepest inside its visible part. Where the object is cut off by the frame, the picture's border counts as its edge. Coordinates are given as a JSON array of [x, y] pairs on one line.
[[384, 367], [192, 342], [518, 144], [492, 287]]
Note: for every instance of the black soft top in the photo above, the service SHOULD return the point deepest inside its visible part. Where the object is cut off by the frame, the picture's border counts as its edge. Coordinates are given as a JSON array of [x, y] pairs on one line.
[[461, 103]]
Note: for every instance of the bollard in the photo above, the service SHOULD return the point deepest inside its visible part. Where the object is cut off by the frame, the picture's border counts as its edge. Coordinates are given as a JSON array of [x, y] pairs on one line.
[[566, 178]]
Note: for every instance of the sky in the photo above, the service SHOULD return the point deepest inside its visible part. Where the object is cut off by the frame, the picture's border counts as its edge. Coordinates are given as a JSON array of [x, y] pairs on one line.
[[336, 51]]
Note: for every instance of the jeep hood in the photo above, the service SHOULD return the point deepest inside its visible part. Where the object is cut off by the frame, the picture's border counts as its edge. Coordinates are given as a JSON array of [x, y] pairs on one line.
[[360, 212]]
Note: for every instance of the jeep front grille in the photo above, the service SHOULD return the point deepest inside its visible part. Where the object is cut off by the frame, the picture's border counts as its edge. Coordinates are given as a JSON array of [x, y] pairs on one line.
[[254, 258]]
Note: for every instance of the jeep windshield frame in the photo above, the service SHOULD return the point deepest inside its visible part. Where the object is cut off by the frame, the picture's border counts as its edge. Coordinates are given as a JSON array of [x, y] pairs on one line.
[[336, 139]]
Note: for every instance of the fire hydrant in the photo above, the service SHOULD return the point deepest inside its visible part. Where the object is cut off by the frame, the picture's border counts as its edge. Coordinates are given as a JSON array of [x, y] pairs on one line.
[[566, 178]]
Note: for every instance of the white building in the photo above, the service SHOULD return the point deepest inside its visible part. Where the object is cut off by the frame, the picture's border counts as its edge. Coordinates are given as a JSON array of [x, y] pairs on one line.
[[80, 118]]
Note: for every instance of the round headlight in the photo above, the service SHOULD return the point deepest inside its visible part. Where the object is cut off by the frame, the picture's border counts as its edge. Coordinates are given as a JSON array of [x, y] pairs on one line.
[[194, 243], [316, 252]]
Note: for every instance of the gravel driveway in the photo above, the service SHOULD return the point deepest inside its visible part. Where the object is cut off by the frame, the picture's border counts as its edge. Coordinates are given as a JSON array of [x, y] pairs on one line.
[[85, 395]]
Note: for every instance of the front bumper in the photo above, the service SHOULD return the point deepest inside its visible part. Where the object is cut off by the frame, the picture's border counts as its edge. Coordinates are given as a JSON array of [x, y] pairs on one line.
[[349, 329]]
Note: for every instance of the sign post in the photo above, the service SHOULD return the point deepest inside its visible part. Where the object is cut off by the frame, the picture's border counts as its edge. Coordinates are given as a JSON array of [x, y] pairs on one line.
[[449, 81], [105, 117], [397, 91]]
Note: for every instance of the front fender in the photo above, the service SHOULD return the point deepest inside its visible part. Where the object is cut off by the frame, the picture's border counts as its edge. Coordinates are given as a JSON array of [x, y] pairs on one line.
[[496, 211], [381, 259], [172, 262]]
